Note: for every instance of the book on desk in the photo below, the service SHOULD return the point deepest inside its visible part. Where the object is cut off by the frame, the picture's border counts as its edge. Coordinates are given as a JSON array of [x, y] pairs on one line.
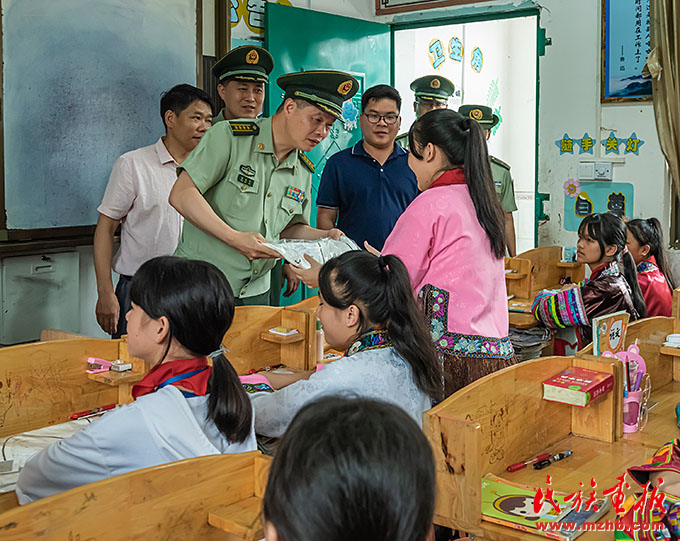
[[511, 504]]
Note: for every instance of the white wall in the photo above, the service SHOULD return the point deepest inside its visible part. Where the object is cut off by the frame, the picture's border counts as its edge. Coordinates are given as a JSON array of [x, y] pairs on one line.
[[570, 102]]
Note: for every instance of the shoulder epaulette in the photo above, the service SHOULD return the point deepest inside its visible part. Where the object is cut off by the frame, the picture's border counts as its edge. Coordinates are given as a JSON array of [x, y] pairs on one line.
[[244, 128], [308, 163], [500, 162]]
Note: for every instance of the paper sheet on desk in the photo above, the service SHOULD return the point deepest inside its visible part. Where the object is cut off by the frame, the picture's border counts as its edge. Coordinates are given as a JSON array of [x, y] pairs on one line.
[[293, 250], [20, 448]]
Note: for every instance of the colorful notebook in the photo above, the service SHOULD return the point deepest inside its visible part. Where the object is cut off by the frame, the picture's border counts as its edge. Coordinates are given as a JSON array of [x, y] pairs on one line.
[[511, 504]]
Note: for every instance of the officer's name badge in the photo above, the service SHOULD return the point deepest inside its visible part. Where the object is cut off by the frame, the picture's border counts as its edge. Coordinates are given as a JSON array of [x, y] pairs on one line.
[[245, 180], [296, 194]]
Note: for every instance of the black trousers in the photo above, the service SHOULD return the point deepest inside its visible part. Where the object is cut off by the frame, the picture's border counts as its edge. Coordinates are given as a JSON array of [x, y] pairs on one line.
[[123, 296]]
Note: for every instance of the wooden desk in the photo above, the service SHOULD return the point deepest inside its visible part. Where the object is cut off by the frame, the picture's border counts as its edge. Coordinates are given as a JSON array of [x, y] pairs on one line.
[[524, 319], [602, 461], [501, 419], [662, 424]]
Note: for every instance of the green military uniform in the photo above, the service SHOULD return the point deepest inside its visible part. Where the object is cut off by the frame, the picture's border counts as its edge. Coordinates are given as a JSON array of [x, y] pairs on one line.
[[502, 179], [500, 171], [219, 117], [235, 169], [402, 140], [237, 172], [247, 63], [428, 88]]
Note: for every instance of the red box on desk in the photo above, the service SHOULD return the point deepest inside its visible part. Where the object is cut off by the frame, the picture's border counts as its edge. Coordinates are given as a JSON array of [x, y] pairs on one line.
[[577, 386]]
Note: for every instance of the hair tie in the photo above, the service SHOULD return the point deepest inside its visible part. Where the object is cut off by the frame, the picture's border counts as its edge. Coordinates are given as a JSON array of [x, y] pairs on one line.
[[217, 353], [383, 264]]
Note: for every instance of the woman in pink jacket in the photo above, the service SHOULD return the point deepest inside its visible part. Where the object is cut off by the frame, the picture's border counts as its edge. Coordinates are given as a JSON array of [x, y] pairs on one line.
[[451, 240]]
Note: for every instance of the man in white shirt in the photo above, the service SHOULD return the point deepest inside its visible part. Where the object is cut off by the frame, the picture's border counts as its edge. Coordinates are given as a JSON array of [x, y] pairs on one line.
[[136, 197]]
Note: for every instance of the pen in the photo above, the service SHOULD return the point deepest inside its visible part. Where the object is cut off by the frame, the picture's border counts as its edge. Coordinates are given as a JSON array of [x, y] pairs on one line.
[[546, 462], [82, 414], [638, 380], [520, 465]]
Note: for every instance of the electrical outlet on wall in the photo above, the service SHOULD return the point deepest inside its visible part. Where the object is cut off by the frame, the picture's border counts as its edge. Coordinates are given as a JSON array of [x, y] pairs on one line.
[[603, 171]]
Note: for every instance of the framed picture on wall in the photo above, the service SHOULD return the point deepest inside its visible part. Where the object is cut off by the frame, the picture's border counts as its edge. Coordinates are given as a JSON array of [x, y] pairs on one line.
[[386, 7], [625, 47]]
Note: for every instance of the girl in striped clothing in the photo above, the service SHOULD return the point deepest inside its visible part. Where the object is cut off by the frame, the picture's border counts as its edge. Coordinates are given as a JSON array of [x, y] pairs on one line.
[[612, 286]]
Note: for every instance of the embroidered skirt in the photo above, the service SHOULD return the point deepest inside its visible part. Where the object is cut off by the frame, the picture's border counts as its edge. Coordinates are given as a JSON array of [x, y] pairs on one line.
[[465, 358], [461, 370]]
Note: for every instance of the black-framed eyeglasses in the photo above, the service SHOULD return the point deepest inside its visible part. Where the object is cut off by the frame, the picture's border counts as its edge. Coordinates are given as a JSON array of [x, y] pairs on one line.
[[389, 118]]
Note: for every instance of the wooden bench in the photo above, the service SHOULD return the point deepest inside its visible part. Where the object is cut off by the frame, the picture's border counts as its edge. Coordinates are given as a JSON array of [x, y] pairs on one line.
[[208, 498]]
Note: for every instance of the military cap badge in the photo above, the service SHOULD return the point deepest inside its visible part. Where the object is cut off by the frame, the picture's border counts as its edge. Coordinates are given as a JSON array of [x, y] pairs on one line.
[[252, 57], [344, 88]]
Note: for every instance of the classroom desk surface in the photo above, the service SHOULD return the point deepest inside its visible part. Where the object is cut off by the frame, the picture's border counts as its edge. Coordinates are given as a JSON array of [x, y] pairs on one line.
[[600, 460], [520, 316]]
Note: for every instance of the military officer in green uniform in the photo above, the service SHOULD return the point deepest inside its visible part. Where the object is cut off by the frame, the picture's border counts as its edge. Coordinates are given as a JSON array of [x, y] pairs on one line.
[[431, 92], [242, 74], [248, 181], [500, 170]]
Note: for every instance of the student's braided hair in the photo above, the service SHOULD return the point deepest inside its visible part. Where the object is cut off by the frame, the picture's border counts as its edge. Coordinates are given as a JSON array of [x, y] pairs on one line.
[[649, 232], [381, 288], [198, 302], [610, 230], [462, 141]]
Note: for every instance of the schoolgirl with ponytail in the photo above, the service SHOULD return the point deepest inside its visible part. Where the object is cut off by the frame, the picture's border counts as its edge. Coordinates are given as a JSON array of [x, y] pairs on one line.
[[367, 310], [645, 244], [185, 406], [451, 239], [612, 286]]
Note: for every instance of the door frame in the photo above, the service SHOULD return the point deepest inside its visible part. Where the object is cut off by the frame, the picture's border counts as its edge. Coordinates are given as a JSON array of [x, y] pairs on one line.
[[491, 16]]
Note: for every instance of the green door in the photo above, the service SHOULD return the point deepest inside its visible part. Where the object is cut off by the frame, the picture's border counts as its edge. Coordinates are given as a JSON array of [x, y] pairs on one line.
[[303, 40]]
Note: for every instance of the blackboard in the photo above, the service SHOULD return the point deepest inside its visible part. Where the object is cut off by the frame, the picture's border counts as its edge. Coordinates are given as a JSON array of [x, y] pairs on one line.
[[82, 80]]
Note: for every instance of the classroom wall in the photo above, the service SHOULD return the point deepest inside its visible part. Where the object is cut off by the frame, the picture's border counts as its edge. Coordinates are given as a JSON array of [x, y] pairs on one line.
[[570, 102]]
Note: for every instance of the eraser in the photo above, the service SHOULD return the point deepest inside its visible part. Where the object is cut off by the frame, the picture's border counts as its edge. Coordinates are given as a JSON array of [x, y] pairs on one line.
[[283, 331], [120, 366]]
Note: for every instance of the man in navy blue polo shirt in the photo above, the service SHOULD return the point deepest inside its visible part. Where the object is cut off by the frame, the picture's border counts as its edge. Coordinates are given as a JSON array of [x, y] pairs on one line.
[[365, 188]]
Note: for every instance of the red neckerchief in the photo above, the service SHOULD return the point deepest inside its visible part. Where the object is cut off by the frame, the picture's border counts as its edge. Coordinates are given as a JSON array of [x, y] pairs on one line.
[[595, 273], [190, 376], [454, 176]]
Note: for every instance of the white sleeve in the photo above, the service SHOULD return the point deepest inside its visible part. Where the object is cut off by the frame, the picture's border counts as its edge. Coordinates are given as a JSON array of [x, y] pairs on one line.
[[120, 191], [66, 464], [274, 411]]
